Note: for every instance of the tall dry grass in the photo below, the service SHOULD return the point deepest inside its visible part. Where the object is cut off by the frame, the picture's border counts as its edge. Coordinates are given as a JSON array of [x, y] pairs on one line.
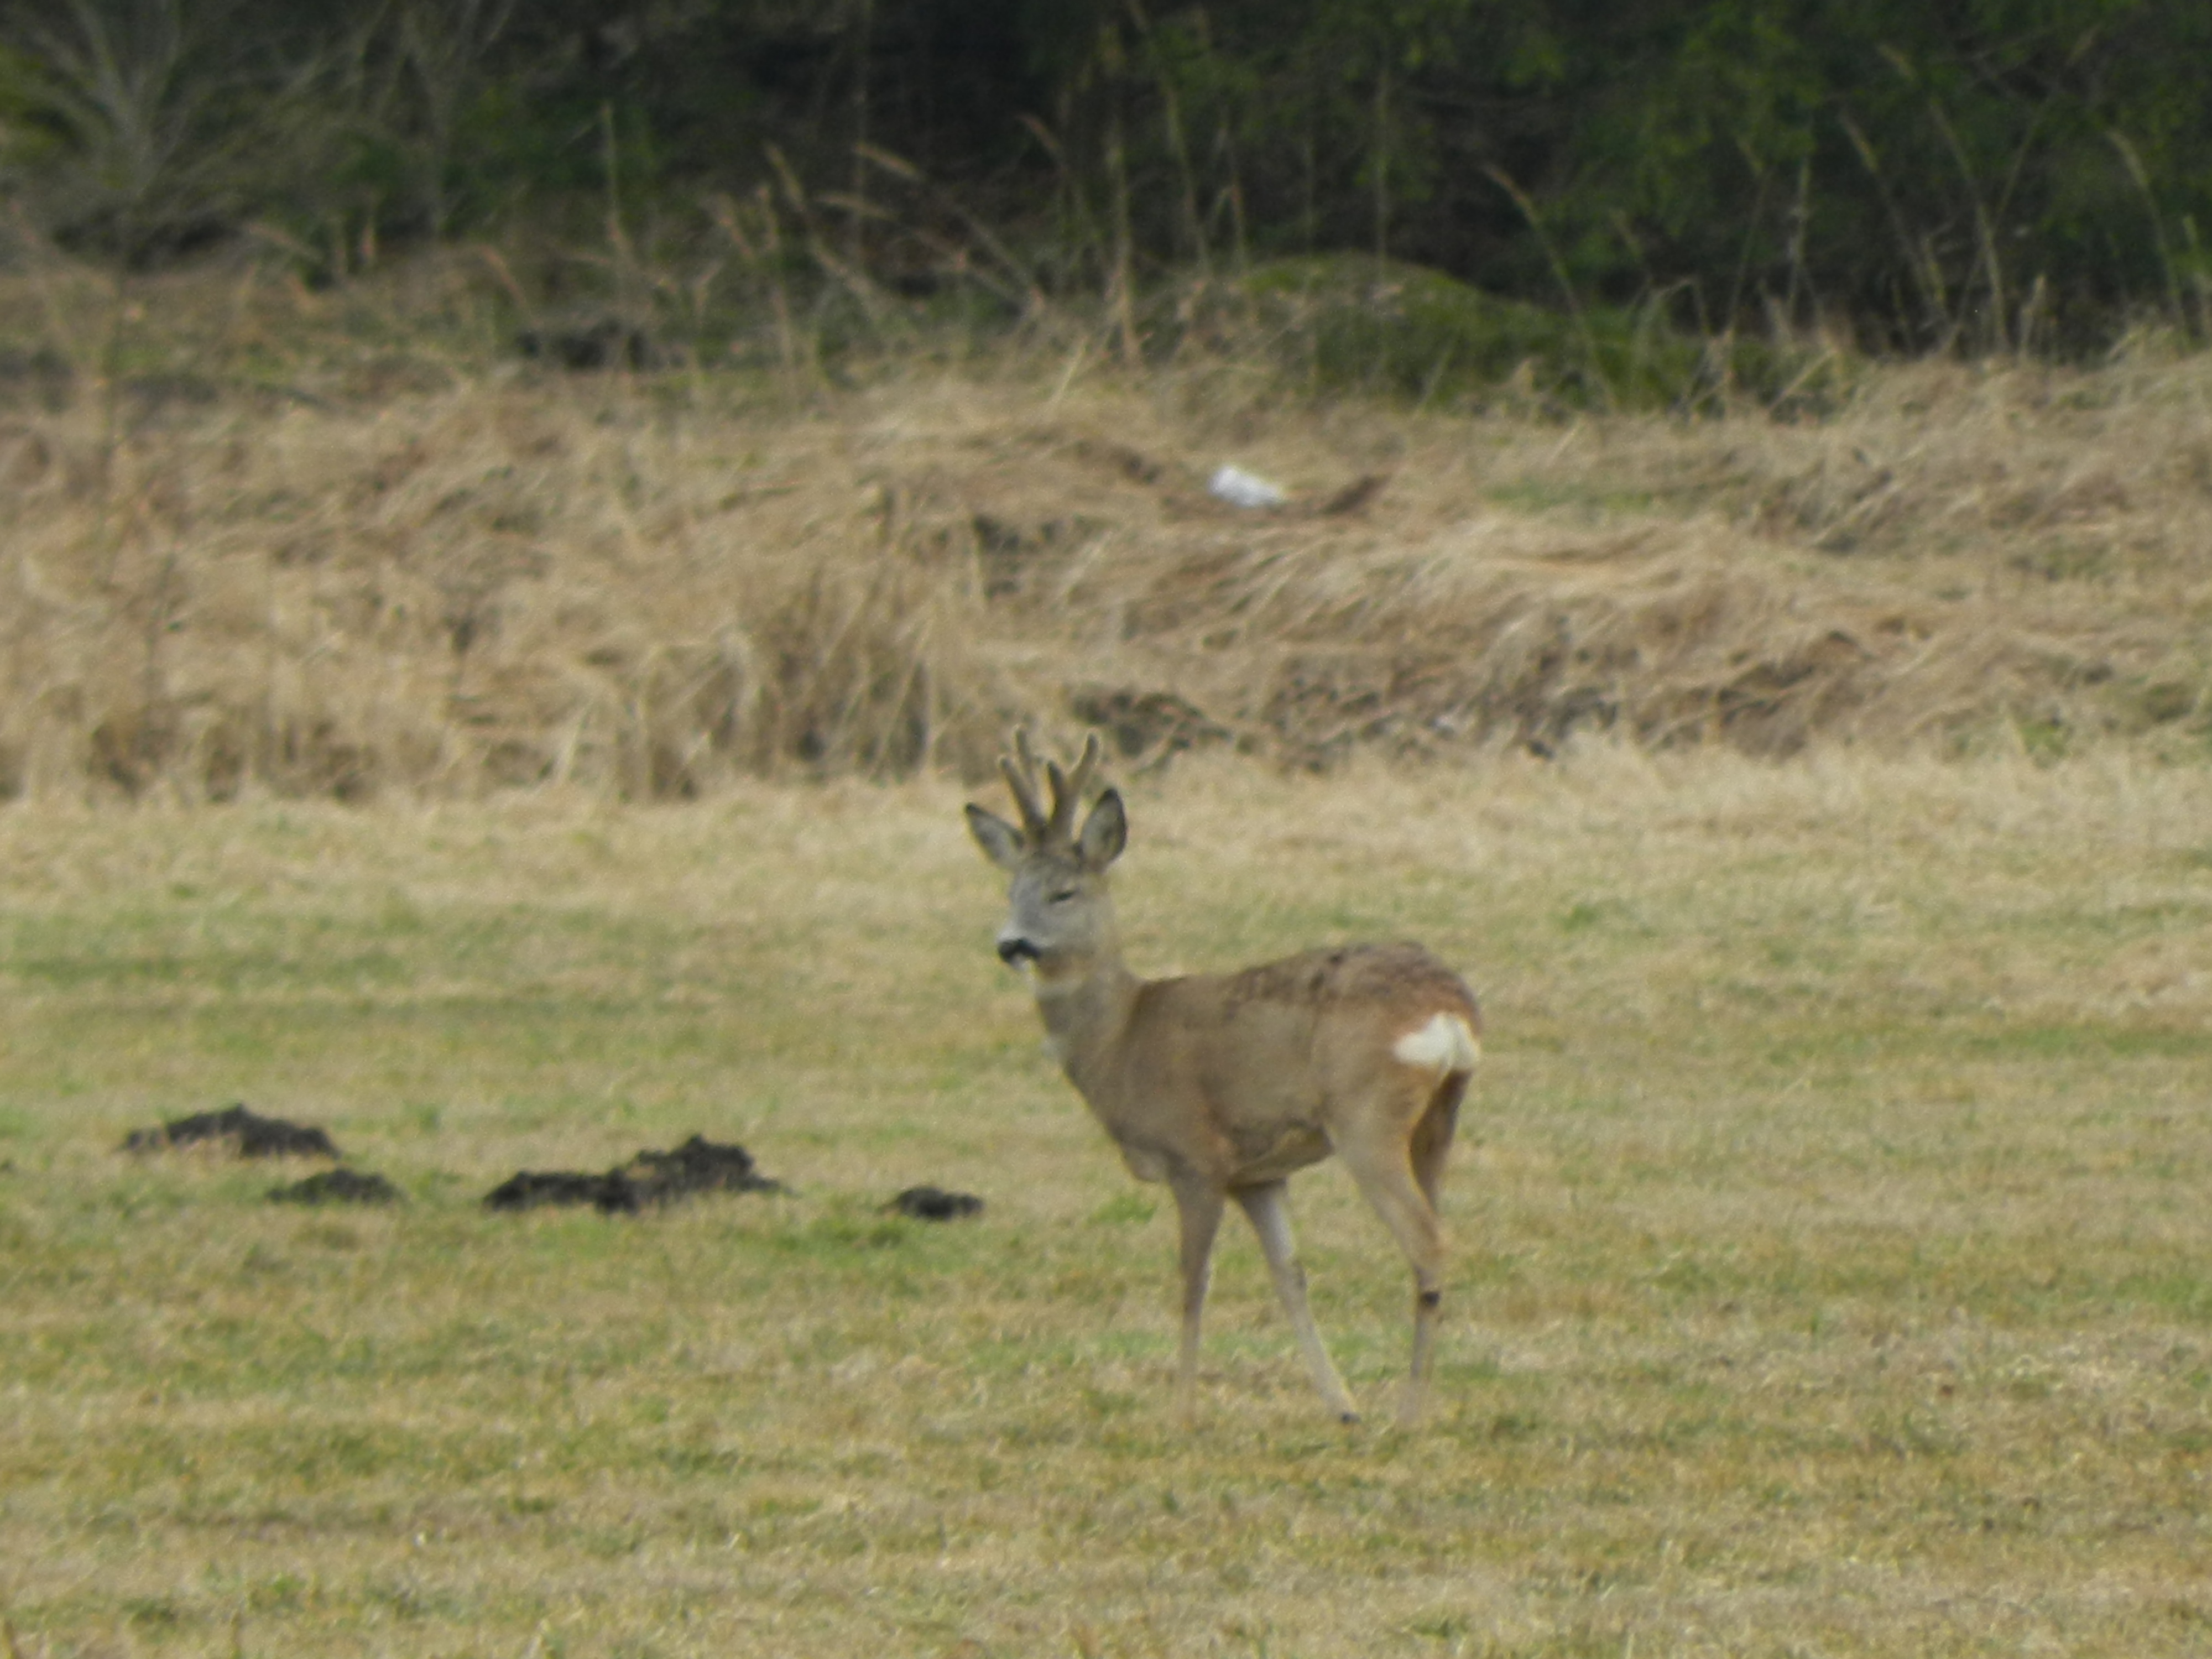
[[262, 539]]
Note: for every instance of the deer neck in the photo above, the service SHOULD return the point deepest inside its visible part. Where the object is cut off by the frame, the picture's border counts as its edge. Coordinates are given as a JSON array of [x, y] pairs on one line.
[[1085, 1005]]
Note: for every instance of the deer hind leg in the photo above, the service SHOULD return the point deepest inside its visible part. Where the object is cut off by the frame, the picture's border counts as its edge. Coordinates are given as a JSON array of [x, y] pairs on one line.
[[1428, 1151], [1431, 1143], [1198, 1208], [1399, 1174], [1268, 1207]]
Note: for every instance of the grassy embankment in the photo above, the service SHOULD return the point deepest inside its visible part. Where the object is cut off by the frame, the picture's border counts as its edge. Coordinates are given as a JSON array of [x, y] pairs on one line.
[[333, 544], [1831, 1271]]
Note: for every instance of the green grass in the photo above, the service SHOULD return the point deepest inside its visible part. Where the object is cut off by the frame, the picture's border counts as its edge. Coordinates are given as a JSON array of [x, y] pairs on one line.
[[1831, 1236]]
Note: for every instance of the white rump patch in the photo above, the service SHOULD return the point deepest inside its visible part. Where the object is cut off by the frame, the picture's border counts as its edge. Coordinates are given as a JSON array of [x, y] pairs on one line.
[[1446, 1044]]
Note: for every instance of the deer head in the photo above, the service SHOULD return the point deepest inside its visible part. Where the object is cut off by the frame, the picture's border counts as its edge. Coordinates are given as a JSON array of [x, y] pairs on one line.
[[1060, 915]]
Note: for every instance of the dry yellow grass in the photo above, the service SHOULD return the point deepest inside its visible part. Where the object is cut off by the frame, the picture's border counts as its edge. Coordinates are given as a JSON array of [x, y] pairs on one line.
[[330, 545], [1832, 1242]]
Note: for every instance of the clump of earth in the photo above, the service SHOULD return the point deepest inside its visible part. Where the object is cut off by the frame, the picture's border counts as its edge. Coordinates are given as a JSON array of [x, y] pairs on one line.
[[251, 1134], [339, 1186], [650, 1179], [935, 1204]]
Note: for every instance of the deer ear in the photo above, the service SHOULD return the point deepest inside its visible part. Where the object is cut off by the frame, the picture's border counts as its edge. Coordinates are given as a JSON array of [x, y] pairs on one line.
[[1105, 832], [1001, 841]]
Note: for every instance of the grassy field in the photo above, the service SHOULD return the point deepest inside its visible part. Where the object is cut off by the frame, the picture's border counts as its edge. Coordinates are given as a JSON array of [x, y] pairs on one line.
[[1831, 1224]]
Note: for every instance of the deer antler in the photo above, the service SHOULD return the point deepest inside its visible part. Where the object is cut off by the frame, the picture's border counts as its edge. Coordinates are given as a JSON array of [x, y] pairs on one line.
[[1020, 770], [1067, 790]]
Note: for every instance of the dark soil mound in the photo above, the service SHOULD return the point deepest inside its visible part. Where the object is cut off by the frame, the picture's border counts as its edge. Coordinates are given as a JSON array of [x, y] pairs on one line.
[[526, 1190], [935, 1204], [256, 1136], [699, 1165], [338, 1186]]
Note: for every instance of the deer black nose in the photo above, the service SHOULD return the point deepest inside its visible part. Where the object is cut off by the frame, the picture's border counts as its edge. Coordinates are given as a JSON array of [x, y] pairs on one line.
[[1011, 951]]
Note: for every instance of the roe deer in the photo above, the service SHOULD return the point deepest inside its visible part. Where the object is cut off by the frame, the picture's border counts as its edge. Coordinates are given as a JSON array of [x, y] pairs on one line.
[[1221, 1085]]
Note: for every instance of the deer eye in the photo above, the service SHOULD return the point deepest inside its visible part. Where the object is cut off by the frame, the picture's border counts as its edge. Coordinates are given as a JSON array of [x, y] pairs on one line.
[[1060, 895]]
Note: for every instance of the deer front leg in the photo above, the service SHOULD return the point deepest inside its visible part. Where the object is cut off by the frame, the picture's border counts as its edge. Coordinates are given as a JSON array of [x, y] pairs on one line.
[[1198, 1206], [1268, 1207]]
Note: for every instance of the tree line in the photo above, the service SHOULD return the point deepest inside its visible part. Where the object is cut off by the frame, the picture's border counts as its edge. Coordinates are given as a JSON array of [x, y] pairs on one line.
[[1930, 174]]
